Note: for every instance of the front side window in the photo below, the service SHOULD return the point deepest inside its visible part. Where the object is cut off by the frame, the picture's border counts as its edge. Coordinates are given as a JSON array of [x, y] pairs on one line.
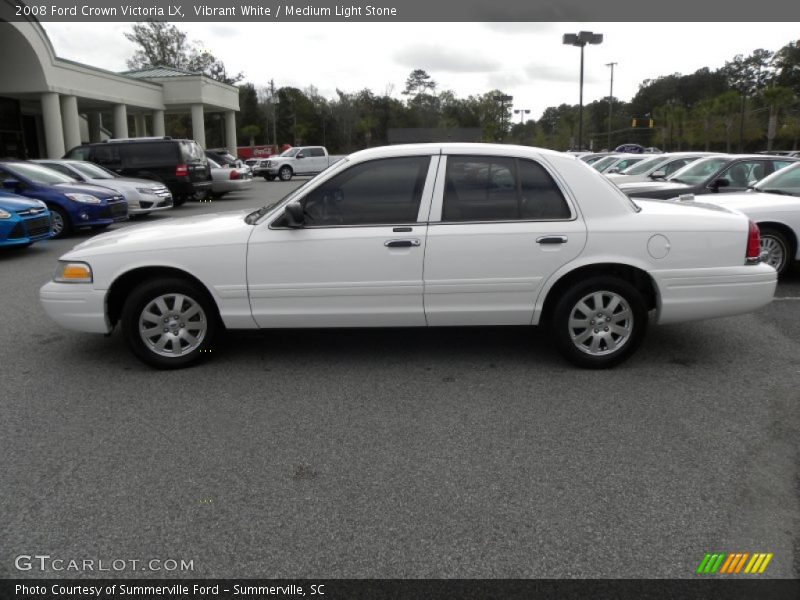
[[743, 174], [676, 165], [479, 188], [379, 192], [698, 171]]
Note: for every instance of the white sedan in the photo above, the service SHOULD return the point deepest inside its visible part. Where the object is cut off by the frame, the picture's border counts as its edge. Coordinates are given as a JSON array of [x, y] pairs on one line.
[[421, 235]]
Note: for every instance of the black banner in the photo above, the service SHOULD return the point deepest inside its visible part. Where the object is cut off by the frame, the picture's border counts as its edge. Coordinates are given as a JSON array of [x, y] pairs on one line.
[[397, 11], [399, 589]]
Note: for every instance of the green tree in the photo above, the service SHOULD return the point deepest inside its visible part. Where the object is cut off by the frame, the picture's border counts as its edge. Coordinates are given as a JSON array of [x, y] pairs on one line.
[[777, 98], [727, 106]]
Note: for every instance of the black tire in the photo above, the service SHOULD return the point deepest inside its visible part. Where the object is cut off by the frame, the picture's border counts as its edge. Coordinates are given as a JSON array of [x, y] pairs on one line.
[[178, 201], [66, 225], [775, 240], [269, 177], [601, 325], [148, 292], [285, 173]]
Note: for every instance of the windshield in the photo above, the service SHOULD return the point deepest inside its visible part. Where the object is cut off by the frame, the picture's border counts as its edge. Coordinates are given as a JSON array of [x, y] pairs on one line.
[[644, 166], [290, 152], [604, 162], [786, 181], [38, 174], [93, 171], [699, 170]]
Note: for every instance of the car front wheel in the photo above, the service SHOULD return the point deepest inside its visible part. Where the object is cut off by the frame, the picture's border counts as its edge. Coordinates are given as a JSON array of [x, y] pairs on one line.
[[285, 173], [169, 323], [60, 224], [598, 323]]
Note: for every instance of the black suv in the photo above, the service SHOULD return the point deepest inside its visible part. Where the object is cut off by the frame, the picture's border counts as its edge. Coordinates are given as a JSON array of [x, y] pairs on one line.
[[181, 165]]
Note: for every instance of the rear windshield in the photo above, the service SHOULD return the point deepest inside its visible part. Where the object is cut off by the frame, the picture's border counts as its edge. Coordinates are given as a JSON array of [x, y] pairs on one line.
[[192, 152]]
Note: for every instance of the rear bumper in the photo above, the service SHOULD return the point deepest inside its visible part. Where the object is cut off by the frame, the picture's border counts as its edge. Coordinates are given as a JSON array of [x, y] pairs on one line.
[[694, 294], [76, 306]]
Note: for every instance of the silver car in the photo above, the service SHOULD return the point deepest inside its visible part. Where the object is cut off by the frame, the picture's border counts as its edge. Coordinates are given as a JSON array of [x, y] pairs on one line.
[[228, 179], [143, 195]]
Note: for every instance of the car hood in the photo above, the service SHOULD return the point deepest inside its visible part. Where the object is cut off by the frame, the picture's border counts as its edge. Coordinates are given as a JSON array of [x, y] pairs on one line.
[[15, 203], [127, 182], [754, 200], [195, 232], [653, 186], [84, 188]]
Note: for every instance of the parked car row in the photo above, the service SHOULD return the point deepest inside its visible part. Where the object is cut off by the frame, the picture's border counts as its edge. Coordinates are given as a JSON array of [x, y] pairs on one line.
[[764, 187]]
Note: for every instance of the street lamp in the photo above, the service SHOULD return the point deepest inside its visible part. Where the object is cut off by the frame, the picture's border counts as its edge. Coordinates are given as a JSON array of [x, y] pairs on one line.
[[610, 100], [521, 112], [504, 100], [580, 39]]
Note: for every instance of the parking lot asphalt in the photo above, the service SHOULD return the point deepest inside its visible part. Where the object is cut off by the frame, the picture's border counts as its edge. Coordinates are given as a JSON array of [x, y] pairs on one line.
[[397, 453]]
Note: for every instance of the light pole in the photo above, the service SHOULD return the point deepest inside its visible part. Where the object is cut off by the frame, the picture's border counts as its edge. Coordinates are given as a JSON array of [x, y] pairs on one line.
[[522, 112], [504, 100], [580, 39], [610, 100]]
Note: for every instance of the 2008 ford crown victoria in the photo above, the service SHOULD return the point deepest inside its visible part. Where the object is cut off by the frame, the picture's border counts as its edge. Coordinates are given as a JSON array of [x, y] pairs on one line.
[[432, 234]]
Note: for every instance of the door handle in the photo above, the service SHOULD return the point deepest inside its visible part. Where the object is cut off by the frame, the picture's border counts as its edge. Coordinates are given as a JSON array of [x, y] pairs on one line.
[[551, 239], [401, 243]]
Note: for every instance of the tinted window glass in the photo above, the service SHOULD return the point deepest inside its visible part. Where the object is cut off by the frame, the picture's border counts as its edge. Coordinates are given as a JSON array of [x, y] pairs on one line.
[[779, 164], [377, 192], [191, 151], [675, 165], [786, 181], [79, 153], [500, 189], [314, 152], [743, 174], [106, 154]]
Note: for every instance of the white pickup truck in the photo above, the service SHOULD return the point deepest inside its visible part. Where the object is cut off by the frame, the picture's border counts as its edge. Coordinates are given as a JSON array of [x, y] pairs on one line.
[[302, 160]]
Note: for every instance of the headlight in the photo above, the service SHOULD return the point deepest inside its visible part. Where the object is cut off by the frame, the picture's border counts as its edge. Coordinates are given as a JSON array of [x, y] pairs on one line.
[[4, 214], [84, 198], [73, 272], [148, 191]]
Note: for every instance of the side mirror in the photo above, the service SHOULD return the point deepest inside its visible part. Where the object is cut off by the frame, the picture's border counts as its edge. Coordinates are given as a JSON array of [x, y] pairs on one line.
[[718, 183], [295, 218], [12, 184], [614, 170], [660, 174]]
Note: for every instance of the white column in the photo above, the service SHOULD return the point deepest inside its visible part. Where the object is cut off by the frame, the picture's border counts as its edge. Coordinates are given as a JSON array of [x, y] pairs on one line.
[[198, 125], [120, 121], [53, 127], [95, 126], [72, 125], [230, 131], [158, 123], [140, 125]]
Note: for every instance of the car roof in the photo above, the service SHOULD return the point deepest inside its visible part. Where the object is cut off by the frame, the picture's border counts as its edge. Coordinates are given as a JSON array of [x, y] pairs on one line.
[[445, 147]]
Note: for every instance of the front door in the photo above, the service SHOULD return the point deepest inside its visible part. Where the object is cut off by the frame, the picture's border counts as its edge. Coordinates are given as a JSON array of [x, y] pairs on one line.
[[357, 261], [505, 226]]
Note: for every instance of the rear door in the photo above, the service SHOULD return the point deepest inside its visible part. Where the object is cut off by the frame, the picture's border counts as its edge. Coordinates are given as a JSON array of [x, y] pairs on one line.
[[499, 227]]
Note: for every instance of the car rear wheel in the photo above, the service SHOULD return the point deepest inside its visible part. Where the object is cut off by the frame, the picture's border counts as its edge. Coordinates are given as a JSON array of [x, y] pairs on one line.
[[285, 173], [169, 323], [776, 245], [59, 222], [269, 177], [599, 323]]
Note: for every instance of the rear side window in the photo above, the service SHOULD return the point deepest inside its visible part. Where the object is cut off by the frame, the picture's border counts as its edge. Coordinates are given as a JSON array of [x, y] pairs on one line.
[[79, 153], [500, 189], [140, 154], [314, 152], [386, 191]]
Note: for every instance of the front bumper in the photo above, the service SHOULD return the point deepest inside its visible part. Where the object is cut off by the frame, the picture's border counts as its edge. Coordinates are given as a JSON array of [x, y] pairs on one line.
[[21, 231], [76, 306], [694, 294], [148, 204]]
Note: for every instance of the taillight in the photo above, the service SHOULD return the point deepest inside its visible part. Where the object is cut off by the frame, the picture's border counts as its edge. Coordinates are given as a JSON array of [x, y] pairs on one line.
[[753, 245], [234, 174], [181, 171]]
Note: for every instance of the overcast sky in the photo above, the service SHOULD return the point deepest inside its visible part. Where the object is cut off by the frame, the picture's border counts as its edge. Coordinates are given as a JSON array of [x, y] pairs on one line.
[[526, 60]]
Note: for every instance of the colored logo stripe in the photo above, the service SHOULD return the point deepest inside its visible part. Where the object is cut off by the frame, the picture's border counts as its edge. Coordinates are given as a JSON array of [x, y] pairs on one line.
[[734, 562]]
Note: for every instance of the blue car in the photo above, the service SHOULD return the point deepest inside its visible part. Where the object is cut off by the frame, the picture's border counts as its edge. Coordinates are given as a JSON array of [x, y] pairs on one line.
[[72, 205], [22, 220]]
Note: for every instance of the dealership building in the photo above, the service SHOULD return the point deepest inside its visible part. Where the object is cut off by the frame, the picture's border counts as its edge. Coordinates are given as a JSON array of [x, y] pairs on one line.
[[49, 104]]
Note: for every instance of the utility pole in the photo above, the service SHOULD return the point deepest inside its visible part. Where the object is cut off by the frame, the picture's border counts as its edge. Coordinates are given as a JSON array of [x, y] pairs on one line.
[[610, 100], [274, 118]]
